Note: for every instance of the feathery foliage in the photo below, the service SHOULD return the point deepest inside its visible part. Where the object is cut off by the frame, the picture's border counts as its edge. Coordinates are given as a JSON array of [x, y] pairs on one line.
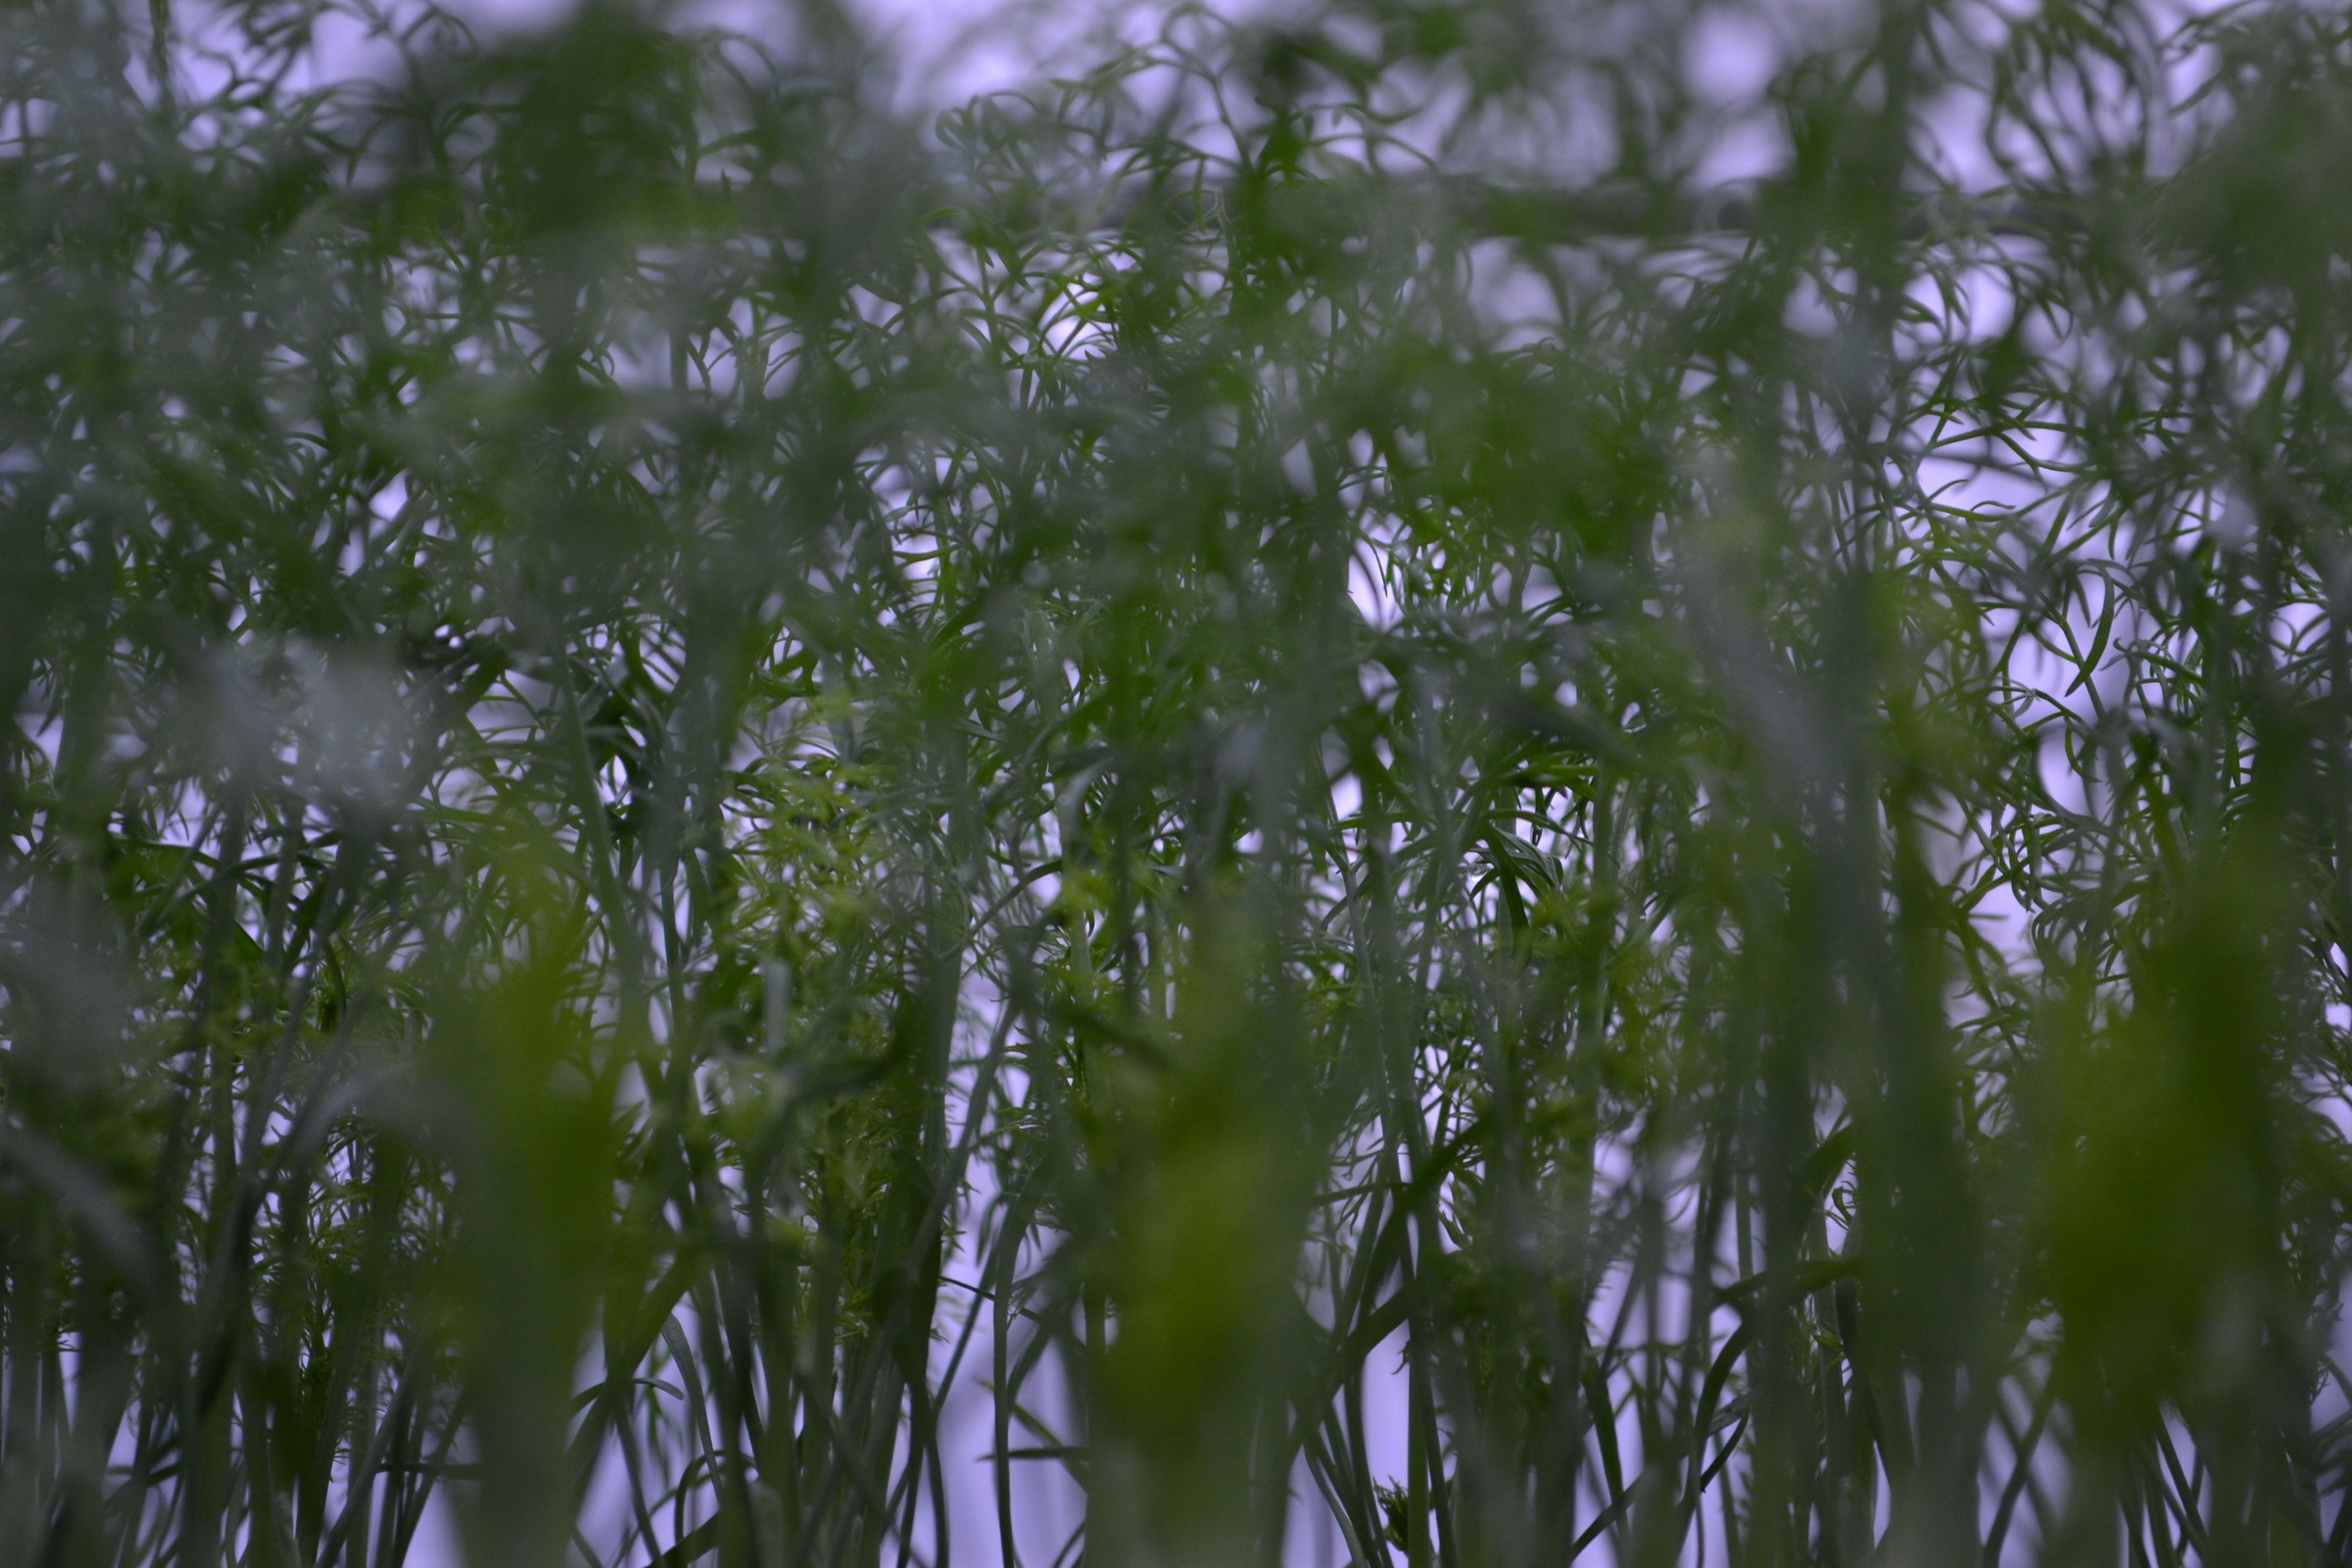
[[1297, 801]]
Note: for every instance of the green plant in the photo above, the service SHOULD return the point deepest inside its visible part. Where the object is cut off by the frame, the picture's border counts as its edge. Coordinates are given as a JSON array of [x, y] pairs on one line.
[[697, 771]]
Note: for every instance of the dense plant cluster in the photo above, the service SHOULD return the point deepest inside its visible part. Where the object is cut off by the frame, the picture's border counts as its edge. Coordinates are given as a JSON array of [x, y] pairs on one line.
[[1422, 783]]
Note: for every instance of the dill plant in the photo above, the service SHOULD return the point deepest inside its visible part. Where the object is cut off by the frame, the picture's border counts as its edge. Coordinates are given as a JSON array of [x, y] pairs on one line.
[[1287, 802]]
